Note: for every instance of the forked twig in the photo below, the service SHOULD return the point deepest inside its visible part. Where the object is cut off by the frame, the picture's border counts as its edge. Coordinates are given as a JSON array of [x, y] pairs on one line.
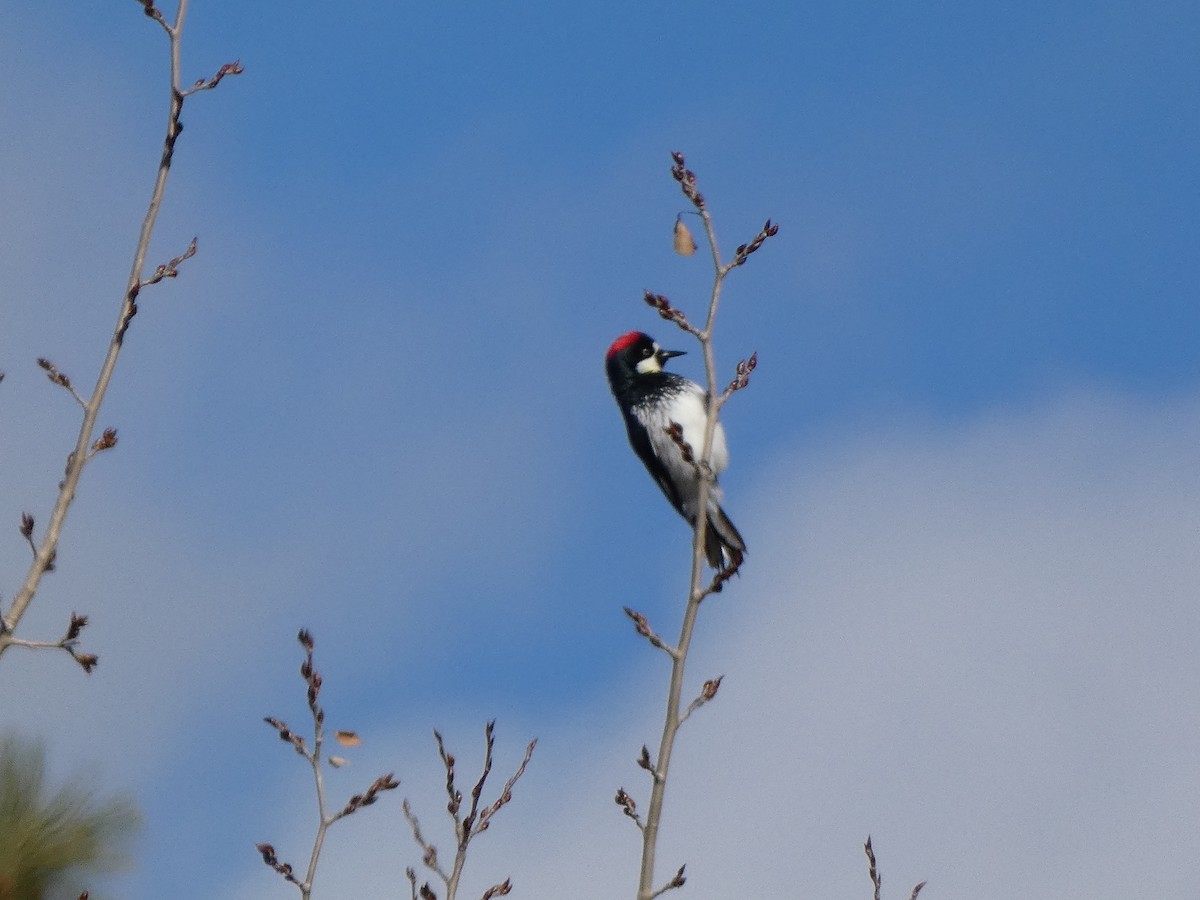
[[466, 826]]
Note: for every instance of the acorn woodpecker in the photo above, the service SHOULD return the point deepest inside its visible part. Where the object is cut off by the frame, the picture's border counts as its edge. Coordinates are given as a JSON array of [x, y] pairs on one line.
[[650, 400]]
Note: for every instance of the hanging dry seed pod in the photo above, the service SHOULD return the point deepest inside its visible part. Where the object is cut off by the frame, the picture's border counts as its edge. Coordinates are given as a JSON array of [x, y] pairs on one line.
[[685, 244]]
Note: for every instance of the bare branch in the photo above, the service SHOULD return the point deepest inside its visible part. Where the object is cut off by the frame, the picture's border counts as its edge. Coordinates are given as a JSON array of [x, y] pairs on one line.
[[86, 446], [474, 823], [430, 857], [468, 823], [506, 795], [312, 755]]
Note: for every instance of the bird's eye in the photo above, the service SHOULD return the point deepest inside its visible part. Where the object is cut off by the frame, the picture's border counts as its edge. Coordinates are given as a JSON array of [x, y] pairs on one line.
[[647, 351]]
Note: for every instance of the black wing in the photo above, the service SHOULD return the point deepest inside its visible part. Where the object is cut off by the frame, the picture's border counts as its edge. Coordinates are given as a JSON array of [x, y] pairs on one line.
[[639, 439]]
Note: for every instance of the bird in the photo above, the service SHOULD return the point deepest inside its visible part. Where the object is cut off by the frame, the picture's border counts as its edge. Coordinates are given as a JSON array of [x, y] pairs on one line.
[[651, 400]]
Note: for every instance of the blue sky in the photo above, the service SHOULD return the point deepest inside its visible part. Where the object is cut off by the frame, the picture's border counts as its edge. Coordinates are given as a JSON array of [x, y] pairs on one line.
[[373, 405]]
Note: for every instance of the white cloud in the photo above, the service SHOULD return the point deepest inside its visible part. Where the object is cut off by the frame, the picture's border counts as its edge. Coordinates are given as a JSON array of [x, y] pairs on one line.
[[975, 643]]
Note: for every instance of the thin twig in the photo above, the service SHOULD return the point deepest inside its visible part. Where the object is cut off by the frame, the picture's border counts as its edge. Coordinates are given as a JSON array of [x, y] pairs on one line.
[[877, 879], [642, 624], [68, 642], [47, 551], [872, 868]]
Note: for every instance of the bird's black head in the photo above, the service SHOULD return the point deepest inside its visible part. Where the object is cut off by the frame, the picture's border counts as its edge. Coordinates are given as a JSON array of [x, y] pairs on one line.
[[634, 355]]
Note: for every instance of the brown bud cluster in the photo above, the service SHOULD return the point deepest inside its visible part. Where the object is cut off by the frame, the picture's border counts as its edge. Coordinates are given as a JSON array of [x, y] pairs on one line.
[[286, 734], [640, 622], [53, 374], [626, 803], [687, 180], [711, 687], [665, 309], [498, 890], [505, 794], [310, 674], [106, 441], [744, 250], [744, 368], [644, 759], [358, 801], [204, 84], [77, 624], [269, 857], [169, 269], [26, 526], [454, 795], [678, 881]]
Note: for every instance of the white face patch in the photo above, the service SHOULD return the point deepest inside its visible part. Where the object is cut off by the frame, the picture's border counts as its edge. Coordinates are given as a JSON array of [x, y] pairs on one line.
[[650, 364]]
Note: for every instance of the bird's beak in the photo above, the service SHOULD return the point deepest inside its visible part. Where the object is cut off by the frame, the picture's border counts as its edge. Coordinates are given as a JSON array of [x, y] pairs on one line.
[[669, 354]]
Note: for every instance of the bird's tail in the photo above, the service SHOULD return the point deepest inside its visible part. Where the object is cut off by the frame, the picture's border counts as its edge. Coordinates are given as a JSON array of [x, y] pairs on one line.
[[723, 546]]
